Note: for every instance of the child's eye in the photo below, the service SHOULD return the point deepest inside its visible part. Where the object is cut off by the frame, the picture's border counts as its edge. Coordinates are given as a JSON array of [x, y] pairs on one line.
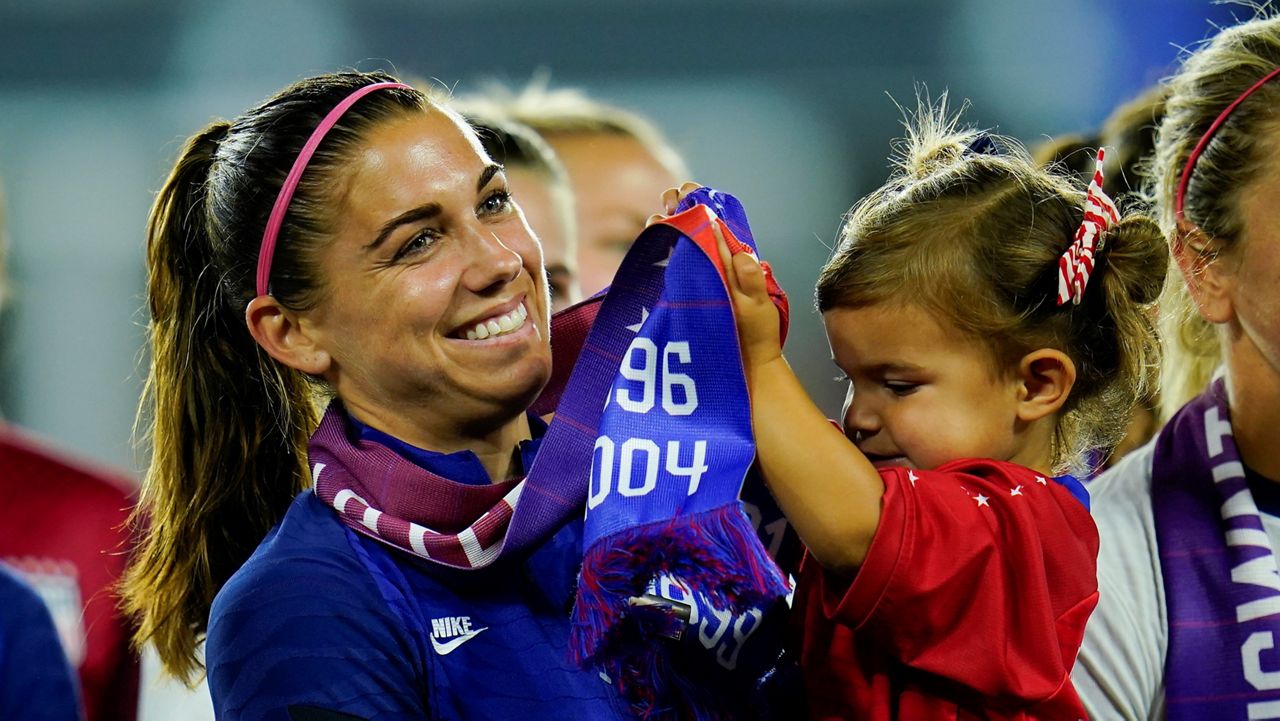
[[418, 243], [901, 388], [498, 202]]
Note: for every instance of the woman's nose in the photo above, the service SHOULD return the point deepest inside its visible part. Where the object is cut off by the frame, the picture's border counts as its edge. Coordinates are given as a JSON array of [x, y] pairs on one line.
[[494, 263]]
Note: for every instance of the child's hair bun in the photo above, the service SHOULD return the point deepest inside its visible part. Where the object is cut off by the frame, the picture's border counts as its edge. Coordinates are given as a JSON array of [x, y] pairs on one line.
[[936, 141], [1137, 259]]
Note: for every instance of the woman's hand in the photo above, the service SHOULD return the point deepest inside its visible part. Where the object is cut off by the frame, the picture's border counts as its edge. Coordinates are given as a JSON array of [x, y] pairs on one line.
[[671, 198]]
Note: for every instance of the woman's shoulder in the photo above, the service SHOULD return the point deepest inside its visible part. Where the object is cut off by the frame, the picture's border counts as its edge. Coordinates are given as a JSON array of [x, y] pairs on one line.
[[1126, 485], [309, 544], [306, 575], [307, 606], [1119, 671]]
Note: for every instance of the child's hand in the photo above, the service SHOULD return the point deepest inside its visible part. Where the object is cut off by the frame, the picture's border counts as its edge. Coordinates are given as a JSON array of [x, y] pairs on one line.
[[758, 325]]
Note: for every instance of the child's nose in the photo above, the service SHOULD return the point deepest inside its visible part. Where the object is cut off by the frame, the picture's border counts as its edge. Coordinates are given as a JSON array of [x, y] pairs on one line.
[[860, 420]]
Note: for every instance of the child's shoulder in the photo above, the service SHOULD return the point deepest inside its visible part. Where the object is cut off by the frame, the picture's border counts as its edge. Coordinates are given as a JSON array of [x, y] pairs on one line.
[[991, 484]]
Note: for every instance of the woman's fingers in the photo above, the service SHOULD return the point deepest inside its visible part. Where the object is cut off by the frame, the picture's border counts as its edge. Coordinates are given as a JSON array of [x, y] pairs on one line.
[[671, 197]]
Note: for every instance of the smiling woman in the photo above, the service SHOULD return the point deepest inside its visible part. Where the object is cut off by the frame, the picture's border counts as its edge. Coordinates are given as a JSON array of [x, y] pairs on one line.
[[349, 238]]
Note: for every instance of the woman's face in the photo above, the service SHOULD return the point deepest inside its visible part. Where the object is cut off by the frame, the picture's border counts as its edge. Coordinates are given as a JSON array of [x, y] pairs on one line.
[[434, 310], [617, 184], [1253, 266]]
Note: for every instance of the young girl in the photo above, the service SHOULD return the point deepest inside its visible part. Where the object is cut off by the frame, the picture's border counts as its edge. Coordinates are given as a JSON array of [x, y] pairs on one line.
[[950, 572]]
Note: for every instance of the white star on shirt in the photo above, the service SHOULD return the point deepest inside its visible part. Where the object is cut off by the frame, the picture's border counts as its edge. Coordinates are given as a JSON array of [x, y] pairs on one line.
[[1016, 491], [1041, 481], [644, 315], [911, 476], [982, 500]]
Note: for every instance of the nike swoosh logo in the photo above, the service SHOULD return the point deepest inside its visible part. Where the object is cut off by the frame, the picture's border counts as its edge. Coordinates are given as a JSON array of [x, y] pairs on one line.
[[448, 647]]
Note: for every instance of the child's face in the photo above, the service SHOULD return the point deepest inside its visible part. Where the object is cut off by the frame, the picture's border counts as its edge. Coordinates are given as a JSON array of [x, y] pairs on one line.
[[920, 394]]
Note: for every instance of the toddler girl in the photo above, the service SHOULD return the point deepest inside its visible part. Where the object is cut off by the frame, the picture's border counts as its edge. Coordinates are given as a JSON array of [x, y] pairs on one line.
[[989, 319]]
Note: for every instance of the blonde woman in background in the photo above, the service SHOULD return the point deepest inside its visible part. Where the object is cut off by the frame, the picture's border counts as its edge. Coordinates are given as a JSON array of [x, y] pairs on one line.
[[618, 162], [1190, 598]]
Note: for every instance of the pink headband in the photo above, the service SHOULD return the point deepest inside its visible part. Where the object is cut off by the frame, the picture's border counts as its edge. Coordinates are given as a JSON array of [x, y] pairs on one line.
[[281, 207], [1208, 135]]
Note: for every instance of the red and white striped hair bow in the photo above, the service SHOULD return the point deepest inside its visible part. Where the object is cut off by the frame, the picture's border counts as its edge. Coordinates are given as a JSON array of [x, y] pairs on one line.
[[1075, 265]]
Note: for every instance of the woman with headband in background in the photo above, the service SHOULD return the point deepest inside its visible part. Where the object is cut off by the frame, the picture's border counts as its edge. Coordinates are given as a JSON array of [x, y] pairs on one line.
[[350, 238], [1190, 597]]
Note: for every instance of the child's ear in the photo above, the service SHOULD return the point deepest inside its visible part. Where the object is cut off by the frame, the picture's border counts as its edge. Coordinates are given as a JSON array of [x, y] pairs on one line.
[[1208, 281], [1045, 378], [286, 336]]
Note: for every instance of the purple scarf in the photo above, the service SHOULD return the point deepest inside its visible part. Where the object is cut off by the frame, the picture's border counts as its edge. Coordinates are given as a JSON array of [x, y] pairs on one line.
[[1220, 577]]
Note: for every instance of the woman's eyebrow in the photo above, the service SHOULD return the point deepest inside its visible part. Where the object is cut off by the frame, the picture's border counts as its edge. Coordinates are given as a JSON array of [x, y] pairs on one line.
[[487, 174], [415, 215]]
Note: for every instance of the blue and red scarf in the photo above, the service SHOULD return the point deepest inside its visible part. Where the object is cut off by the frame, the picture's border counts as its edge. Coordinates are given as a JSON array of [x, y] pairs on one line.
[[673, 449], [1220, 576], [652, 435]]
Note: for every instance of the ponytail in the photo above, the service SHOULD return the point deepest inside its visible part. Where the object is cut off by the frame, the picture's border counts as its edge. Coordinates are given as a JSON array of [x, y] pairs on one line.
[[228, 426]]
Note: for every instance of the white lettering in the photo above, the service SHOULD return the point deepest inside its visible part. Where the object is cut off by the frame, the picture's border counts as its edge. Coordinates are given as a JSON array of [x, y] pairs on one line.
[[625, 477], [601, 478], [696, 467], [646, 375], [1214, 429], [1251, 653], [670, 379], [1264, 710]]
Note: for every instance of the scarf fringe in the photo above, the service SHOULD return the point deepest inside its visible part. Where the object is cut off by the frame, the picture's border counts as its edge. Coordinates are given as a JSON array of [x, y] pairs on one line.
[[716, 554]]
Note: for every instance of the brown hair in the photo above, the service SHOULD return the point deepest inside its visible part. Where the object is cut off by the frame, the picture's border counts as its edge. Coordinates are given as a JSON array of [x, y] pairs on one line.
[[970, 229], [1210, 79], [228, 425]]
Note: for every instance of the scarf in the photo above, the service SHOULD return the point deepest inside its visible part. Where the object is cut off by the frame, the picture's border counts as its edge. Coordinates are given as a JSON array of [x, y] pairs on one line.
[[659, 467], [673, 448], [1220, 576]]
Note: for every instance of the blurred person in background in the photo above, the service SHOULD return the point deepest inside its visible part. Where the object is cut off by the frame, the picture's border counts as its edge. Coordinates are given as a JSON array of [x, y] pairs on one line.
[[63, 531], [1189, 604], [36, 682], [1129, 135], [618, 162], [539, 185]]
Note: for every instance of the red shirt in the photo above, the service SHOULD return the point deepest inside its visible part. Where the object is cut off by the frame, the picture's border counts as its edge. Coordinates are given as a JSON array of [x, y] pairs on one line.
[[971, 603], [63, 529]]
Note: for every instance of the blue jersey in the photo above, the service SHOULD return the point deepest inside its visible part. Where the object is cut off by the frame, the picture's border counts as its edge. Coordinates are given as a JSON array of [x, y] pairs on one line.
[[35, 680], [324, 624]]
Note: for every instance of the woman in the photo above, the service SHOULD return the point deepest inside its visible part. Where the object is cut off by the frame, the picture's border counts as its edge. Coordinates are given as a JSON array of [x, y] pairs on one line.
[[351, 235], [1190, 599]]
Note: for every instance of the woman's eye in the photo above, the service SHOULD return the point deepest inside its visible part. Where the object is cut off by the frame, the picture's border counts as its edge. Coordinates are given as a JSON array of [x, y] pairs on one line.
[[497, 202], [901, 388], [418, 243]]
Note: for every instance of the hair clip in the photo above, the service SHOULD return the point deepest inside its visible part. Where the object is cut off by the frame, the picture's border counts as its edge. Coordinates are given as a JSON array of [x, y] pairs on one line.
[[983, 144], [1077, 263]]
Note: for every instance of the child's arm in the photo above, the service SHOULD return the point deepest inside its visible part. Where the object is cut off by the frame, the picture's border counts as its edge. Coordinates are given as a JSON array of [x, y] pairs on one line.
[[828, 490]]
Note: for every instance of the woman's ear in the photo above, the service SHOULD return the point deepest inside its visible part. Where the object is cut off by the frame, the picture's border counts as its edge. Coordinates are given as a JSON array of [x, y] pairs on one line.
[[1045, 378], [1208, 281], [285, 336]]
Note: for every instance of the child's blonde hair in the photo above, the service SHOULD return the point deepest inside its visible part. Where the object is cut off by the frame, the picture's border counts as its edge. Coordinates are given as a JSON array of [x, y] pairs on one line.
[[971, 230], [1208, 82]]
